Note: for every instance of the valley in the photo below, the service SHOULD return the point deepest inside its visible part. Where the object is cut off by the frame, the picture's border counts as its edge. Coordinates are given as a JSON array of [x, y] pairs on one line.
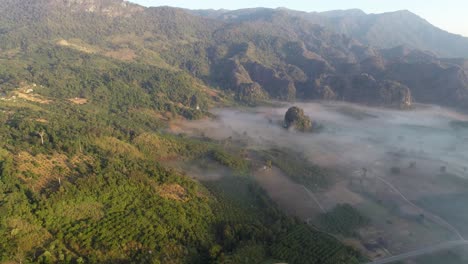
[[374, 168]]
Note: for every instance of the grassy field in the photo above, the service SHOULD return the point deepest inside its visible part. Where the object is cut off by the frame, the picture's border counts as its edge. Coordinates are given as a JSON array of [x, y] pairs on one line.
[[451, 207]]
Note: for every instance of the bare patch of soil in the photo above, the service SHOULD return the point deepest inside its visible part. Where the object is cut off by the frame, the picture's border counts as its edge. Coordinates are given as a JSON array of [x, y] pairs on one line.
[[173, 192], [339, 194], [42, 120], [82, 48], [33, 98], [37, 171], [78, 101]]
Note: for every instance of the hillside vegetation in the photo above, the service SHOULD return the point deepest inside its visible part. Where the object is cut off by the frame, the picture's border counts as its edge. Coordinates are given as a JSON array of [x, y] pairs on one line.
[[86, 184], [251, 55]]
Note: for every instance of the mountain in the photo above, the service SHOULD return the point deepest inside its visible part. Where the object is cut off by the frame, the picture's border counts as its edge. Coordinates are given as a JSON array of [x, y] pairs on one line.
[[255, 54], [308, 60], [252, 54], [388, 30]]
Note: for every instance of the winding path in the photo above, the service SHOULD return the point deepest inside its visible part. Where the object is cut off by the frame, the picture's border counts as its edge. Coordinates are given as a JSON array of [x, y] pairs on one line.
[[312, 195], [420, 252], [435, 218], [427, 250]]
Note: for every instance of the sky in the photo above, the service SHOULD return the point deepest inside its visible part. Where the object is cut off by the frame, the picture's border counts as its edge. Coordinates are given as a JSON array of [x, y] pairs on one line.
[[450, 15]]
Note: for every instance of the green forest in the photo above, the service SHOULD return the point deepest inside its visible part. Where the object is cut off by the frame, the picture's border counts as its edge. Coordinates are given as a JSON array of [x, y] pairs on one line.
[[94, 192]]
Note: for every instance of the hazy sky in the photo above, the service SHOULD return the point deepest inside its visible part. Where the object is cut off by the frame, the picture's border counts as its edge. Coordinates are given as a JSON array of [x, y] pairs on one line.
[[451, 15]]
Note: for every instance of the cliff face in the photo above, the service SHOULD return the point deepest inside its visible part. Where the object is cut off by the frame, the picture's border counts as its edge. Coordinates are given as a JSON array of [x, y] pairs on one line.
[[245, 89], [276, 86], [395, 94], [365, 89], [253, 81], [258, 82], [289, 54]]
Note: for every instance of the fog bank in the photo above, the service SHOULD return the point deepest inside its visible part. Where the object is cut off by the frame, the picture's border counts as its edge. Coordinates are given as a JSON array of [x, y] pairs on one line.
[[352, 136]]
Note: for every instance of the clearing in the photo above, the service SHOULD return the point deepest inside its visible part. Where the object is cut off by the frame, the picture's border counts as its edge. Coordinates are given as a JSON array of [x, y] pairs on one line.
[[293, 198], [78, 101]]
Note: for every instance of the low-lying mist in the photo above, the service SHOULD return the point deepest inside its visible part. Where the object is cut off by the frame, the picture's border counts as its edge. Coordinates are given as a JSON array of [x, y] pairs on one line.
[[350, 136], [405, 170]]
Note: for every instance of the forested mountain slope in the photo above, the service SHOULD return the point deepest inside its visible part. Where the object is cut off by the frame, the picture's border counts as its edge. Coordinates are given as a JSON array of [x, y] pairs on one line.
[[252, 54], [317, 60], [388, 30], [385, 30]]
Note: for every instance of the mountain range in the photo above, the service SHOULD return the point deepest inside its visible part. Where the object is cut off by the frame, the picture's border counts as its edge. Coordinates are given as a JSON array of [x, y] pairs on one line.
[[389, 59], [386, 30]]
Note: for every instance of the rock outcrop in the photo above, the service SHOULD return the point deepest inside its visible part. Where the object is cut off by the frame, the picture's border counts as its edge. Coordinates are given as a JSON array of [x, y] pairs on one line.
[[295, 118]]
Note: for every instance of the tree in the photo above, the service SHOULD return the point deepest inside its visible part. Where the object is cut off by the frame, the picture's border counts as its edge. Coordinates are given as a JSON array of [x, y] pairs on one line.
[[215, 251], [443, 169], [395, 170], [42, 134]]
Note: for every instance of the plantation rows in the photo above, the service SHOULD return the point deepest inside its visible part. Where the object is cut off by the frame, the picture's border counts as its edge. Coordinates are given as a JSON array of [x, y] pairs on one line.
[[343, 219], [315, 248], [133, 217], [235, 203]]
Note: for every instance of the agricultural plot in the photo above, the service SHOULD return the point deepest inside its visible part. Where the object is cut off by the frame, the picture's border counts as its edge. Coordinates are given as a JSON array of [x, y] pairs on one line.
[[449, 206], [344, 220], [317, 248]]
